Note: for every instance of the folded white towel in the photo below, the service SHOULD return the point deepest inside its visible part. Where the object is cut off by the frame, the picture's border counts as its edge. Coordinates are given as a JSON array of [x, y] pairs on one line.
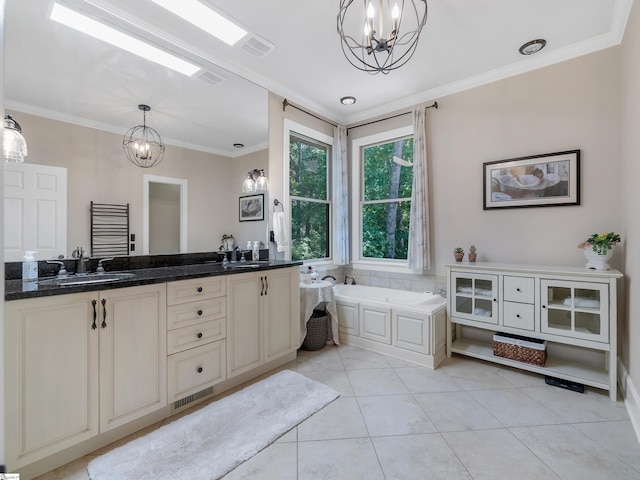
[[280, 231]]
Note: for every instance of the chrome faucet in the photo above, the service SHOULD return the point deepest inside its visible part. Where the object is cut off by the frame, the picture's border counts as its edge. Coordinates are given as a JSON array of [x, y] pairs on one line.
[[63, 271], [100, 268], [81, 266]]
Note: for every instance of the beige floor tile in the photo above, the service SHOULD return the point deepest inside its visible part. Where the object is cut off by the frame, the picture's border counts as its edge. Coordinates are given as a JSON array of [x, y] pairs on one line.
[[514, 408], [456, 411], [276, 462], [349, 459], [326, 359], [618, 437], [497, 454], [336, 379], [394, 415], [380, 381], [418, 457], [426, 380], [357, 358], [340, 419], [573, 455]]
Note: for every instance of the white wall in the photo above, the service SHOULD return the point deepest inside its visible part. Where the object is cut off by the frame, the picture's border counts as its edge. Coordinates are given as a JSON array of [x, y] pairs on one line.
[[630, 329]]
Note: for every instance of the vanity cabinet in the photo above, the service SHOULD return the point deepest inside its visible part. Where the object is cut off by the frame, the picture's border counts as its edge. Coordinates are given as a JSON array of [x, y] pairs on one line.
[[263, 309], [79, 365], [573, 309], [196, 333]]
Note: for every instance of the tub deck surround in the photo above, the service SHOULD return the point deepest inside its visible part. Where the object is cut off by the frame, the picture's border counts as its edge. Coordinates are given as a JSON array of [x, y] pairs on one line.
[[407, 325], [147, 271]]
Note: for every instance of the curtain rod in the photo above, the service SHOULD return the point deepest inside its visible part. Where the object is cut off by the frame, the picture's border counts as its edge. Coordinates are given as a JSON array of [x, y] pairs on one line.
[[285, 104], [434, 105]]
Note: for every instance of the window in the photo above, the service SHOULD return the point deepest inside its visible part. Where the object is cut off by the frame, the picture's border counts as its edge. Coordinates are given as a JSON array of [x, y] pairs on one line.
[[382, 208], [309, 193]]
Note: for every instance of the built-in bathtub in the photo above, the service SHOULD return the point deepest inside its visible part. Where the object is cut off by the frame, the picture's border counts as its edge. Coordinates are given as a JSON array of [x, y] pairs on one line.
[[406, 325]]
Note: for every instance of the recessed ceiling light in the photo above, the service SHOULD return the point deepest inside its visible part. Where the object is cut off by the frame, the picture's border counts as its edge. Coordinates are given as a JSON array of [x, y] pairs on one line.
[[348, 100], [238, 145], [121, 40], [203, 17], [534, 46]]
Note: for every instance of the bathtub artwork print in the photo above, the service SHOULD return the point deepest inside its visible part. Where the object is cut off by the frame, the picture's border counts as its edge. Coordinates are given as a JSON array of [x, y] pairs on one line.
[[537, 181]]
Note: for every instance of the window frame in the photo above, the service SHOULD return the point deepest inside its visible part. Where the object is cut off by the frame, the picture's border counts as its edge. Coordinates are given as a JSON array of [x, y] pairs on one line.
[[357, 182], [302, 130]]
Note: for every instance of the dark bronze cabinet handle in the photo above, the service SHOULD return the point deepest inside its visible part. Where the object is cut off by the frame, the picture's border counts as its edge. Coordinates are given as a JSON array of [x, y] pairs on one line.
[[199, 289], [95, 314], [266, 283], [199, 312], [104, 313], [199, 335], [262, 289], [199, 370]]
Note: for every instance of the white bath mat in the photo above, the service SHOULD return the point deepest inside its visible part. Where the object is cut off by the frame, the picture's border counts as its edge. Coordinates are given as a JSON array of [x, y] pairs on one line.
[[212, 441]]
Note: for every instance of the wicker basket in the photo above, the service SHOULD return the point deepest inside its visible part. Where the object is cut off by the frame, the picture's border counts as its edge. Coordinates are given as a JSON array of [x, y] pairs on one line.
[[316, 337], [521, 349]]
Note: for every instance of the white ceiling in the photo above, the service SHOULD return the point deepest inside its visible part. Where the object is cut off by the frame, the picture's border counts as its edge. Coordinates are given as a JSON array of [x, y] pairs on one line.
[[54, 71]]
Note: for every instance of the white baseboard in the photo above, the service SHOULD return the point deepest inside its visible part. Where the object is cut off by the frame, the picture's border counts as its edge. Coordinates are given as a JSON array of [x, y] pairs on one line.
[[631, 397]]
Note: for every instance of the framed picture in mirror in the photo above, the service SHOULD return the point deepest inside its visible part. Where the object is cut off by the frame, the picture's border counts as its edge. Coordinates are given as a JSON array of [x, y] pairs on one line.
[[252, 208]]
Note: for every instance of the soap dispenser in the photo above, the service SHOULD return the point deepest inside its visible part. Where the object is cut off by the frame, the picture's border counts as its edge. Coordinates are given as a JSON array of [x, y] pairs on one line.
[[29, 266]]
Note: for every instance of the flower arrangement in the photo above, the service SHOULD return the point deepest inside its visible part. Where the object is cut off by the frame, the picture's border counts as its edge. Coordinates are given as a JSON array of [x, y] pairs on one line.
[[458, 250], [601, 243]]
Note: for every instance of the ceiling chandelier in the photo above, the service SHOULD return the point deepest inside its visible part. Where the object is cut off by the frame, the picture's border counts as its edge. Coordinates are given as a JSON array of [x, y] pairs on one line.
[[14, 146], [383, 39], [142, 145]]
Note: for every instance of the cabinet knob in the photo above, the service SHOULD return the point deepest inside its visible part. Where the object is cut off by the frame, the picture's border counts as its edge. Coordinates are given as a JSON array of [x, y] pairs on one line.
[[199, 335], [199, 289], [199, 370], [517, 289], [495, 299], [199, 312], [544, 306], [517, 315]]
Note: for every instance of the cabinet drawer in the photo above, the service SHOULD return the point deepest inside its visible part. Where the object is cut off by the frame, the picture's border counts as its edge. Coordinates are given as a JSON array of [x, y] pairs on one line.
[[183, 315], [188, 337], [518, 315], [519, 289], [194, 370], [194, 289]]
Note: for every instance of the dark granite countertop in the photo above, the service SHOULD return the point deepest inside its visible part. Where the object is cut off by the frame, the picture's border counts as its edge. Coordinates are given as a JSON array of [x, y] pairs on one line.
[[16, 289]]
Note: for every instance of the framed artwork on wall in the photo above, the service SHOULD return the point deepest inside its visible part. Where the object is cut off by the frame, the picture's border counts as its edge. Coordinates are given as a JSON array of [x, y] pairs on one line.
[[547, 180], [252, 208]]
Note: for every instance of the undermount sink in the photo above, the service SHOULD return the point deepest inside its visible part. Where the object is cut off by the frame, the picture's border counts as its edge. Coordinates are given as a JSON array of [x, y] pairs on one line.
[[241, 265], [90, 278]]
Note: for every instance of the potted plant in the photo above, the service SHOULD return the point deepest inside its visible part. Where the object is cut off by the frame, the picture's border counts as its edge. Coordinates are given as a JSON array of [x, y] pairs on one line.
[[458, 253], [472, 253], [598, 248]]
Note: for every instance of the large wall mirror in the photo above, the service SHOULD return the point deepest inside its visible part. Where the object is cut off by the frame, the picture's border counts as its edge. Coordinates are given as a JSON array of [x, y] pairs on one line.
[[76, 96]]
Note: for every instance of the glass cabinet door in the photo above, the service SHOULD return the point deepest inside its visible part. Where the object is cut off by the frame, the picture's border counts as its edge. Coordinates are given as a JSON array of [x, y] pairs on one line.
[[475, 297], [575, 309]]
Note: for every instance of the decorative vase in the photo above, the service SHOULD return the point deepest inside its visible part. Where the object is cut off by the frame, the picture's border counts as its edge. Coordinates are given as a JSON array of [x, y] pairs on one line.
[[458, 256], [596, 261], [472, 257]]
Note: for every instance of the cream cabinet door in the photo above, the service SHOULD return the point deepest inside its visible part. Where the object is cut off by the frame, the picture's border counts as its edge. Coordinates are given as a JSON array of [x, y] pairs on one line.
[[281, 310], [133, 364], [51, 388], [244, 322]]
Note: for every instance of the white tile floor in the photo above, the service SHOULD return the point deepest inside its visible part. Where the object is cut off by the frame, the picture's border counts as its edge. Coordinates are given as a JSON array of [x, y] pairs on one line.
[[465, 420]]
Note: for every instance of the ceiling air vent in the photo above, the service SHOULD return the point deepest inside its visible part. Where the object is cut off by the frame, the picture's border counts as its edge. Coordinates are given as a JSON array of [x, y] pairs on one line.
[[211, 78], [256, 46]]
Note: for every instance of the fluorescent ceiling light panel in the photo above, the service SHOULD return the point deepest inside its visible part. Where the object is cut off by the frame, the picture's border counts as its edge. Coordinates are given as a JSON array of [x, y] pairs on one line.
[[121, 40], [203, 17]]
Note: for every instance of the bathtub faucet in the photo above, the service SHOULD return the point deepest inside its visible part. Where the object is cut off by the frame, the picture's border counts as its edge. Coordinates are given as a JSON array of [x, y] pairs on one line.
[[328, 276], [353, 280]]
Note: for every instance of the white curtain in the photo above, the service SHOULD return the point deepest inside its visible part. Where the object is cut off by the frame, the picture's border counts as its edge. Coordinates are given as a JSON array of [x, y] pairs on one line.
[[340, 197], [419, 257]]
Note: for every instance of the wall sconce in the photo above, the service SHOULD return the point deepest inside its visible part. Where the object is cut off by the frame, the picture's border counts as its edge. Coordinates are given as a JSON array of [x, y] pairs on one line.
[[14, 146], [256, 181]]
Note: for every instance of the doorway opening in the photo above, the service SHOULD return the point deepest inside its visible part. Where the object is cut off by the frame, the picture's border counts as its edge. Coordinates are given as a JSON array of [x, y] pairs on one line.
[[164, 222]]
